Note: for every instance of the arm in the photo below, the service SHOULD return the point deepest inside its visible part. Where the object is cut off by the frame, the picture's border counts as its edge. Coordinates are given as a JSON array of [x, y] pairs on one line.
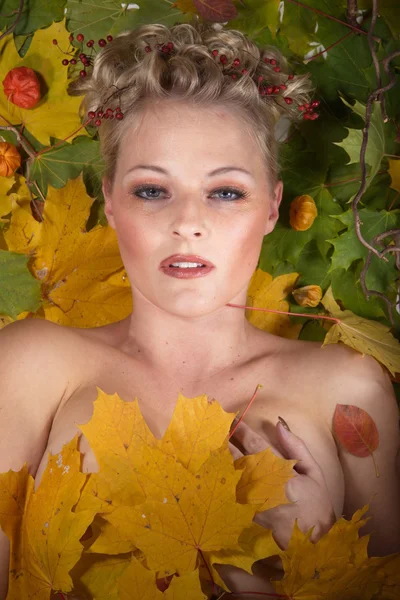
[[368, 386], [30, 387]]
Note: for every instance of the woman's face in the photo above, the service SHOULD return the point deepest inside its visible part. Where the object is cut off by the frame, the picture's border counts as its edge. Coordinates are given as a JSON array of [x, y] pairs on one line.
[[188, 210]]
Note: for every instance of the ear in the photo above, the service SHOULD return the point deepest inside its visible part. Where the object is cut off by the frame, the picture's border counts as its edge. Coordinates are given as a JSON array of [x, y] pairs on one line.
[[106, 187], [274, 204]]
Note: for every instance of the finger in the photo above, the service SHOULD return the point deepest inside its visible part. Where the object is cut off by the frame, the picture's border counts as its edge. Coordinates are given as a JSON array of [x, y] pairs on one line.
[[236, 453], [251, 442], [296, 448]]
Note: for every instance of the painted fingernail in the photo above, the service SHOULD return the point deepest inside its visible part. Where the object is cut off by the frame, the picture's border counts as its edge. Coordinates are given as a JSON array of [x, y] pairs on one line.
[[283, 422]]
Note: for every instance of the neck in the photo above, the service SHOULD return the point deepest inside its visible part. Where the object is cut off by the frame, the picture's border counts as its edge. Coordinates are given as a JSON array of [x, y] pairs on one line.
[[187, 348]]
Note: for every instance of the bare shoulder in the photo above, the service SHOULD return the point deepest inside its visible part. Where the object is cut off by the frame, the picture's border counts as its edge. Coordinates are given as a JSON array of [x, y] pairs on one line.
[[339, 374], [41, 353]]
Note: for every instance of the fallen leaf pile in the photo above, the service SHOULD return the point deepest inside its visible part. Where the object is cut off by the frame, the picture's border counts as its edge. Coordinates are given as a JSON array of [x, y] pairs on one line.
[[162, 513]]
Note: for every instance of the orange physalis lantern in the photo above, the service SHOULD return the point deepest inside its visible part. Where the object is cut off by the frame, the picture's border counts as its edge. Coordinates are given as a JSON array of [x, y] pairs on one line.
[[303, 211], [309, 295], [22, 87], [10, 159]]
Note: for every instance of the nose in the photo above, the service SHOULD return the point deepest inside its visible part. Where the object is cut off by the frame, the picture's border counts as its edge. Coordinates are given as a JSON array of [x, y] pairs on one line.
[[188, 219]]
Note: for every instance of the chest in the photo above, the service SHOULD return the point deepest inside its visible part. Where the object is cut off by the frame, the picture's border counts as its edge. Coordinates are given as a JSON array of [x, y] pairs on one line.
[[279, 396]]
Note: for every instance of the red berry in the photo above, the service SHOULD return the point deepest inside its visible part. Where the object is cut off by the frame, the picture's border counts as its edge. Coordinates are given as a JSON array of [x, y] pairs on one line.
[[119, 116], [301, 107], [80, 37], [102, 42], [118, 109], [277, 89], [282, 86], [109, 111], [315, 103], [71, 37], [214, 52], [272, 61], [73, 61], [306, 116], [266, 60], [277, 69], [86, 61], [90, 43], [97, 122], [148, 49], [110, 38], [270, 89], [290, 76], [82, 73], [288, 100], [82, 55], [170, 45], [100, 113], [223, 59], [244, 71], [261, 77], [65, 61], [236, 62], [55, 42], [234, 76], [91, 114]]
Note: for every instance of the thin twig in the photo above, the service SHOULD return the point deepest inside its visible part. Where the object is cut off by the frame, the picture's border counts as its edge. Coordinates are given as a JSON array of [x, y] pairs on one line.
[[320, 12], [13, 26], [376, 94]]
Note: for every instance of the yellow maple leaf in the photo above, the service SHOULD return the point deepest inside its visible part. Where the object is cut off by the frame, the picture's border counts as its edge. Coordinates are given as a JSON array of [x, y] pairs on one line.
[[6, 183], [255, 542], [139, 583], [185, 477], [15, 489], [394, 170], [336, 566], [266, 292], [74, 265], [262, 480], [45, 119], [195, 430], [48, 540], [363, 335], [176, 533]]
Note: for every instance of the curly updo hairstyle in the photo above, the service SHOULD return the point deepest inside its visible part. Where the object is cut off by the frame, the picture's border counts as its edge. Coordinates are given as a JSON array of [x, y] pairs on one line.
[[191, 73]]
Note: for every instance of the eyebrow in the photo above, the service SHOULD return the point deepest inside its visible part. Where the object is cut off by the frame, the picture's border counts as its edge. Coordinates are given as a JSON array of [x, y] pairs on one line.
[[165, 172]]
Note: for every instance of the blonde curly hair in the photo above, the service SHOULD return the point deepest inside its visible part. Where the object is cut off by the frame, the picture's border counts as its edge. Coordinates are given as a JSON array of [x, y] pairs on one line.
[[189, 73]]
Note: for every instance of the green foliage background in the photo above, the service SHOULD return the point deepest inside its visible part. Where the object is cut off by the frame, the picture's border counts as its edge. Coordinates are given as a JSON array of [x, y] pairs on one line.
[[319, 158]]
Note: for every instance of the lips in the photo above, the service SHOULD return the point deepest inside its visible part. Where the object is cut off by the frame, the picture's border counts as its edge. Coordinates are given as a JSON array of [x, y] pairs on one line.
[[185, 258]]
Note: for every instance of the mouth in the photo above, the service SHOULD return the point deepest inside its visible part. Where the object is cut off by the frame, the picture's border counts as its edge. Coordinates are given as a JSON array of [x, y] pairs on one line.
[[181, 261]]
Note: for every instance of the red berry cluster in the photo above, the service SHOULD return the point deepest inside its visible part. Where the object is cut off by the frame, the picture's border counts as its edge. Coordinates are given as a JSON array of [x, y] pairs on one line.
[[269, 90], [110, 113], [85, 59]]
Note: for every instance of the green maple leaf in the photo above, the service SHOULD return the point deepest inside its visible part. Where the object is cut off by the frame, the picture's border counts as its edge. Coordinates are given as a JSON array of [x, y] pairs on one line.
[[348, 247], [375, 149]]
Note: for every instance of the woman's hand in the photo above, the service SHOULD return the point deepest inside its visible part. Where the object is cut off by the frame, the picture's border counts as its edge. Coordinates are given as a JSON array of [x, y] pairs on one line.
[[307, 490]]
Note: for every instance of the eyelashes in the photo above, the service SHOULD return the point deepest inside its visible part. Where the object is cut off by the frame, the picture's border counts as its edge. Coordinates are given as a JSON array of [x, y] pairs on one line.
[[231, 190]]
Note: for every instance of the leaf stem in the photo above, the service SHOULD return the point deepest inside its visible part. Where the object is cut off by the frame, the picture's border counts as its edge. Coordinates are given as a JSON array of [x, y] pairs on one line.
[[214, 587], [245, 410], [284, 312], [375, 465]]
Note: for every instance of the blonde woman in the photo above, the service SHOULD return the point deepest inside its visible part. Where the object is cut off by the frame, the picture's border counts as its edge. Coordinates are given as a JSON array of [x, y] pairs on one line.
[[191, 187]]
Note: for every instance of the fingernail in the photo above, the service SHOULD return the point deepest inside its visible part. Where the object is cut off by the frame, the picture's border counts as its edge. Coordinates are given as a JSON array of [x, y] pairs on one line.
[[283, 423]]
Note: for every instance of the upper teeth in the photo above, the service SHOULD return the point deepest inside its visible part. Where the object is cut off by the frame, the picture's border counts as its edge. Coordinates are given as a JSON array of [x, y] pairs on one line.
[[186, 265]]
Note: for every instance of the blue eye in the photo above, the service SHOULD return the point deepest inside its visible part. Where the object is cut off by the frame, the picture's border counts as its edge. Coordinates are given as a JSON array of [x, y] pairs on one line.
[[152, 188]]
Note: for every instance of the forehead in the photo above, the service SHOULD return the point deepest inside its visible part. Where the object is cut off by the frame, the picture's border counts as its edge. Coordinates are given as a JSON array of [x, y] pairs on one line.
[[171, 130]]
